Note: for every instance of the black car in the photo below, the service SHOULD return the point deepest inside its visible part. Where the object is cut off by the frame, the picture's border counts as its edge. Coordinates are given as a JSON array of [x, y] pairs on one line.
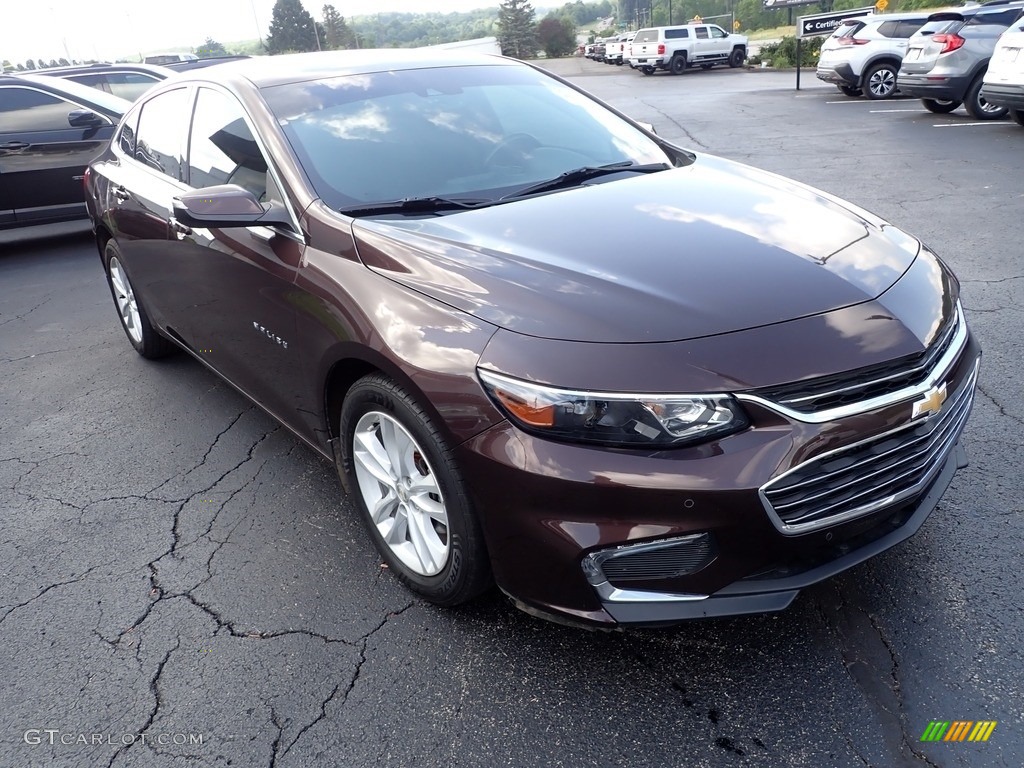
[[50, 130], [129, 81]]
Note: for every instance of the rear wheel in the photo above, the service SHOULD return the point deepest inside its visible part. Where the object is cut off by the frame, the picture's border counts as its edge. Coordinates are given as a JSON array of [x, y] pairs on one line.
[[737, 57], [678, 64], [134, 320], [880, 81], [1018, 116], [850, 91], [978, 106], [411, 494], [940, 106]]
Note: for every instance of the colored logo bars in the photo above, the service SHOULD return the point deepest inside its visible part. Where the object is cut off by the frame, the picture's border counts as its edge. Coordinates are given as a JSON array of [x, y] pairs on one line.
[[958, 730]]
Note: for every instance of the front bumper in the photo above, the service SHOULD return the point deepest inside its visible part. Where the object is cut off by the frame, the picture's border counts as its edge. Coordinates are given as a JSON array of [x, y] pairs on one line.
[[572, 503]]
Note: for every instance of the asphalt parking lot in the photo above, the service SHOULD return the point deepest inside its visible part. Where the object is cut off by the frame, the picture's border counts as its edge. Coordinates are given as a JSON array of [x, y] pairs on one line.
[[174, 564]]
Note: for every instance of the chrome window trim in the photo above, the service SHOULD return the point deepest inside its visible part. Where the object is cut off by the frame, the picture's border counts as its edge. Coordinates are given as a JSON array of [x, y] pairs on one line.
[[62, 97], [966, 391], [939, 371]]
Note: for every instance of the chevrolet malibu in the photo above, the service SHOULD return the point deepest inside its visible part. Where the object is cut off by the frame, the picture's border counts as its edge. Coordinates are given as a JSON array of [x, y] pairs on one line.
[[545, 348]]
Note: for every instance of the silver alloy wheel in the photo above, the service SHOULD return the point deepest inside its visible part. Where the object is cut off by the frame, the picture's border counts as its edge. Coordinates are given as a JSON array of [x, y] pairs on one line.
[[988, 107], [401, 493], [126, 303], [882, 82]]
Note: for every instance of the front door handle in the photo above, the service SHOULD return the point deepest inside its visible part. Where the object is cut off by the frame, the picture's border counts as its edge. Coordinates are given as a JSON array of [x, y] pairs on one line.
[[14, 145]]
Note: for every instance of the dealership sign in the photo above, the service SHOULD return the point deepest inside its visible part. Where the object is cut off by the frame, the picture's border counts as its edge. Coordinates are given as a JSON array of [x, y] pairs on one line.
[[825, 23]]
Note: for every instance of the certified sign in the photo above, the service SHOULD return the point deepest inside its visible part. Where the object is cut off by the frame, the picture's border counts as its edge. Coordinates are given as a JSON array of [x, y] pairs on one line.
[[825, 23]]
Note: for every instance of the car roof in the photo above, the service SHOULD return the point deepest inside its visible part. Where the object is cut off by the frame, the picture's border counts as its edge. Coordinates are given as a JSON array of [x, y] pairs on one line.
[[268, 71], [106, 103], [104, 66]]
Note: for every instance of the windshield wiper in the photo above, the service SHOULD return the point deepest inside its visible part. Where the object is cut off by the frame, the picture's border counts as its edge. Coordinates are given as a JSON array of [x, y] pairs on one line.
[[577, 176], [415, 205]]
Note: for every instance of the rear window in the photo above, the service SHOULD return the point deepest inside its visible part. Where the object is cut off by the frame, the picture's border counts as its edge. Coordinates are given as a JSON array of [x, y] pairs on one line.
[[646, 36], [996, 20], [849, 28]]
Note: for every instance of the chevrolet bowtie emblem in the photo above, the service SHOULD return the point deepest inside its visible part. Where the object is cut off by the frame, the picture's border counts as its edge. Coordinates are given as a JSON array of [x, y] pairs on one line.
[[931, 402]]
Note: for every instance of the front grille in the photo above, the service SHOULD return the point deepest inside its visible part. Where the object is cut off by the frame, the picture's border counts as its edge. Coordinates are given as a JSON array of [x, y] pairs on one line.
[[869, 476], [666, 559], [826, 392]]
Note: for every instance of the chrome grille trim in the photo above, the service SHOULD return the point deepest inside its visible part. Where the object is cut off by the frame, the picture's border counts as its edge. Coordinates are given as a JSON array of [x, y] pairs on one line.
[[938, 373], [924, 462]]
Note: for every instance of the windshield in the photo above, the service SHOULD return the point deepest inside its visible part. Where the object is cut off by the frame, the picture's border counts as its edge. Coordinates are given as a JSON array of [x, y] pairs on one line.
[[452, 132]]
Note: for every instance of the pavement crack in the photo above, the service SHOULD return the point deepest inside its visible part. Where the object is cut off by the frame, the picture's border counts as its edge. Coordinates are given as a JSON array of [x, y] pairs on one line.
[[321, 716], [1002, 409], [42, 592], [676, 123], [276, 746]]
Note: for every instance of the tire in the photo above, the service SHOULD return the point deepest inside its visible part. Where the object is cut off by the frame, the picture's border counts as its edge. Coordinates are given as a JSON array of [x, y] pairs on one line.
[[396, 461], [880, 81], [976, 105], [647, 70], [940, 107], [1017, 115], [850, 91], [678, 64], [134, 320], [737, 57]]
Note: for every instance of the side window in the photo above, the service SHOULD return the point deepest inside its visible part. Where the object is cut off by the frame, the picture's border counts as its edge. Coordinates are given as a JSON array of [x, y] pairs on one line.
[[25, 109], [93, 81], [701, 33], [906, 28], [126, 136], [159, 136], [994, 20], [129, 85], [676, 34], [222, 149], [888, 28], [718, 33]]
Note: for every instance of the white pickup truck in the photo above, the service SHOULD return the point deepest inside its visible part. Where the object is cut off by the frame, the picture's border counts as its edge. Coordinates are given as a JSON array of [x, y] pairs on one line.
[[690, 45]]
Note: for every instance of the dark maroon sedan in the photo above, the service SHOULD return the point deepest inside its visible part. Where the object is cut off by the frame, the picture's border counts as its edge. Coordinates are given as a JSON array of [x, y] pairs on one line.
[[741, 387]]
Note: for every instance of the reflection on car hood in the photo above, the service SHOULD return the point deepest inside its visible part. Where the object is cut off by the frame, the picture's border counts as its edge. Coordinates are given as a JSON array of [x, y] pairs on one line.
[[696, 251]]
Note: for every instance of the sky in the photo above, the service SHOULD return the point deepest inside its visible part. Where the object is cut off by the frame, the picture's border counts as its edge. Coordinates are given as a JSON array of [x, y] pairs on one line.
[[111, 29]]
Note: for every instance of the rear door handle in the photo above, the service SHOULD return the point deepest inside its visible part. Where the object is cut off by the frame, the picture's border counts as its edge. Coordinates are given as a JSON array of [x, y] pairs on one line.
[[14, 145], [121, 194]]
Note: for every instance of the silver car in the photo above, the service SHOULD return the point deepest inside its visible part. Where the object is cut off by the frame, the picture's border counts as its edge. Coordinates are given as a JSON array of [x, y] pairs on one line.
[[947, 58]]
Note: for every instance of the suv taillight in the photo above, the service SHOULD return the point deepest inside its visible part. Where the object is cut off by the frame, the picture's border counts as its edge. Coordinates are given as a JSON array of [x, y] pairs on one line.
[[851, 41], [949, 42], [661, 49]]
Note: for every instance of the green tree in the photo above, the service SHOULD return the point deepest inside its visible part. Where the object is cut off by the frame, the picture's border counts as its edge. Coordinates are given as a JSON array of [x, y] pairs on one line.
[[291, 28], [556, 36], [211, 48], [517, 34], [337, 34], [6, 66], [30, 64]]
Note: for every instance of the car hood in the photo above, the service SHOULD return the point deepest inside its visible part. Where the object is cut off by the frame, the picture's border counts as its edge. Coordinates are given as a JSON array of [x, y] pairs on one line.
[[707, 249]]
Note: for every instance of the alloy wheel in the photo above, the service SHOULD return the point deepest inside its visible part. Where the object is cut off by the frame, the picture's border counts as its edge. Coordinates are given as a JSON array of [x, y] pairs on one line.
[[882, 83], [125, 297], [401, 493]]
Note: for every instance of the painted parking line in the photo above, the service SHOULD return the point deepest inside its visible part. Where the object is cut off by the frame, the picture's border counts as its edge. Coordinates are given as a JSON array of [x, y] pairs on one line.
[[966, 125], [848, 101], [886, 111]]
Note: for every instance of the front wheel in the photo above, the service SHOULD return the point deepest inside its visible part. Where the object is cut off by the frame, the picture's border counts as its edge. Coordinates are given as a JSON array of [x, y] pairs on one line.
[[411, 494], [736, 58], [678, 64], [978, 106], [134, 320], [880, 81], [940, 106]]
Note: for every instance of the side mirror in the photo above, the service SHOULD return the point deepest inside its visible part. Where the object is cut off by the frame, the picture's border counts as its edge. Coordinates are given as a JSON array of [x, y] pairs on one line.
[[224, 206], [84, 118]]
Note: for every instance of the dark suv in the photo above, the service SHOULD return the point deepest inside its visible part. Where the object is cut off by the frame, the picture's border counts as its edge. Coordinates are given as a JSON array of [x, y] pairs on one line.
[[50, 130], [946, 60]]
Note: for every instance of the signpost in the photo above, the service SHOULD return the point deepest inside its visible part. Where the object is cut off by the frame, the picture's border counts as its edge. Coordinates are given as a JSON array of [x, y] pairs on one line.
[[819, 24]]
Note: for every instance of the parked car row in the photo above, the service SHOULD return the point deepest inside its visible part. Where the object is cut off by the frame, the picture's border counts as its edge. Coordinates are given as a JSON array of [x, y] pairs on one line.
[[965, 56], [672, 49]]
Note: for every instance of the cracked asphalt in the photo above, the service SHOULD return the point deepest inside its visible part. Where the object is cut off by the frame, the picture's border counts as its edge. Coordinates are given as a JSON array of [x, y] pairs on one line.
[[183, 583]]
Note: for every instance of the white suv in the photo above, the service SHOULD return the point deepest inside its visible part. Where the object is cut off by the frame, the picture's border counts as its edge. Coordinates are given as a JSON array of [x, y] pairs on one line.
[[688, 45], [1004, 80], [863, 55]]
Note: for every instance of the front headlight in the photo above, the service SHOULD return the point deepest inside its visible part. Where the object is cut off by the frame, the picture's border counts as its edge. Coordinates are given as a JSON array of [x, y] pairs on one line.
[[609, 418]]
